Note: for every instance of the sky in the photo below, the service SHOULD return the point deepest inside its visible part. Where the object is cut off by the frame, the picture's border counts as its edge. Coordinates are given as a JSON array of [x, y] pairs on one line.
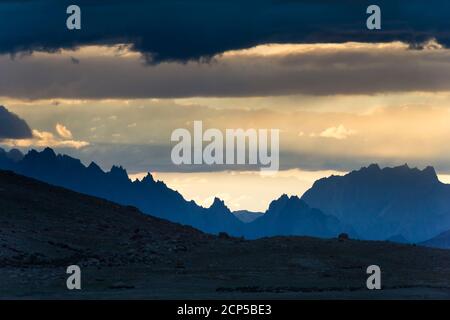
[[342, 96]]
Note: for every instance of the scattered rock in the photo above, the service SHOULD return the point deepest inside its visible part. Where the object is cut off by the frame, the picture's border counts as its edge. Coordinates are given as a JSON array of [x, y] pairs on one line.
[[343, 237], [180, 248], [121, 285], [224, 235]]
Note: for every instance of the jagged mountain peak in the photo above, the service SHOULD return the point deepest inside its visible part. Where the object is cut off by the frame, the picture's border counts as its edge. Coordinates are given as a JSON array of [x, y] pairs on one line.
[[430, 172], [95, 167], [118, 172], [48, 152], [381, 202], [285, 200], [148, 179], [372, 167], [426, 175], [218, 204], [15, 155], [402, 173], [154, 198], [290, 215]]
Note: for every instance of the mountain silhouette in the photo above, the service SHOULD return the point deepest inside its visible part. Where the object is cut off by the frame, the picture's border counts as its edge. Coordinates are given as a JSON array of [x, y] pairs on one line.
[[292, 216], [383, 203], [219, 218], [399, 204], [398, 238], [285, 216], [442, 241], [8, 159], [129, 255], [247, 216], [150, 196]]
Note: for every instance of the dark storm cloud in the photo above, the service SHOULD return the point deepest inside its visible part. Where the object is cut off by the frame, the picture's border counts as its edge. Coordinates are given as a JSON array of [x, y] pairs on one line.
[[182, 30], [12, 127]]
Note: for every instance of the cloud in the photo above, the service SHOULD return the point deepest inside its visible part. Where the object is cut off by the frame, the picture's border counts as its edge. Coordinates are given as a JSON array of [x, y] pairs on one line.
[[45, 139], [15, 132], [12, 127], [417, 134], [173, 30], [63, 131], [273, 70], [339, 133]]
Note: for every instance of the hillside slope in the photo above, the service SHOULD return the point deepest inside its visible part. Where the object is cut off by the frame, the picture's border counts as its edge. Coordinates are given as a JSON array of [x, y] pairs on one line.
[[150, 196], [45, 225]]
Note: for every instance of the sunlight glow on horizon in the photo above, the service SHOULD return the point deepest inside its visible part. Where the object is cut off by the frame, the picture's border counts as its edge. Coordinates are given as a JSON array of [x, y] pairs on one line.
[[241, 190], [253, 191]]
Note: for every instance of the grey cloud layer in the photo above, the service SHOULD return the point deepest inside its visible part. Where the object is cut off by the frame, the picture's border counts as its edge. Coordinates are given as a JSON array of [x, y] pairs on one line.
[[365, 70]]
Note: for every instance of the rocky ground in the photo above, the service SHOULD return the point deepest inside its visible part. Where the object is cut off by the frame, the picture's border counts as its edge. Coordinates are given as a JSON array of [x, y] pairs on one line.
[[125, 254]]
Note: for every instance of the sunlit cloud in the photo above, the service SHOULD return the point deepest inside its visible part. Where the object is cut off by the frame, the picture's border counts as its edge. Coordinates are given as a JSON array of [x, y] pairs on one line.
[[339, 132], [45, 139], [63, 131]]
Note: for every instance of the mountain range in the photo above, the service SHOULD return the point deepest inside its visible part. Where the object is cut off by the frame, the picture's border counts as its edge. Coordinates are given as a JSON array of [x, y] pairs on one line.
[[125, 254], [247, 216], [399, 204], [292, 216], [155, 198], [150, 196]]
